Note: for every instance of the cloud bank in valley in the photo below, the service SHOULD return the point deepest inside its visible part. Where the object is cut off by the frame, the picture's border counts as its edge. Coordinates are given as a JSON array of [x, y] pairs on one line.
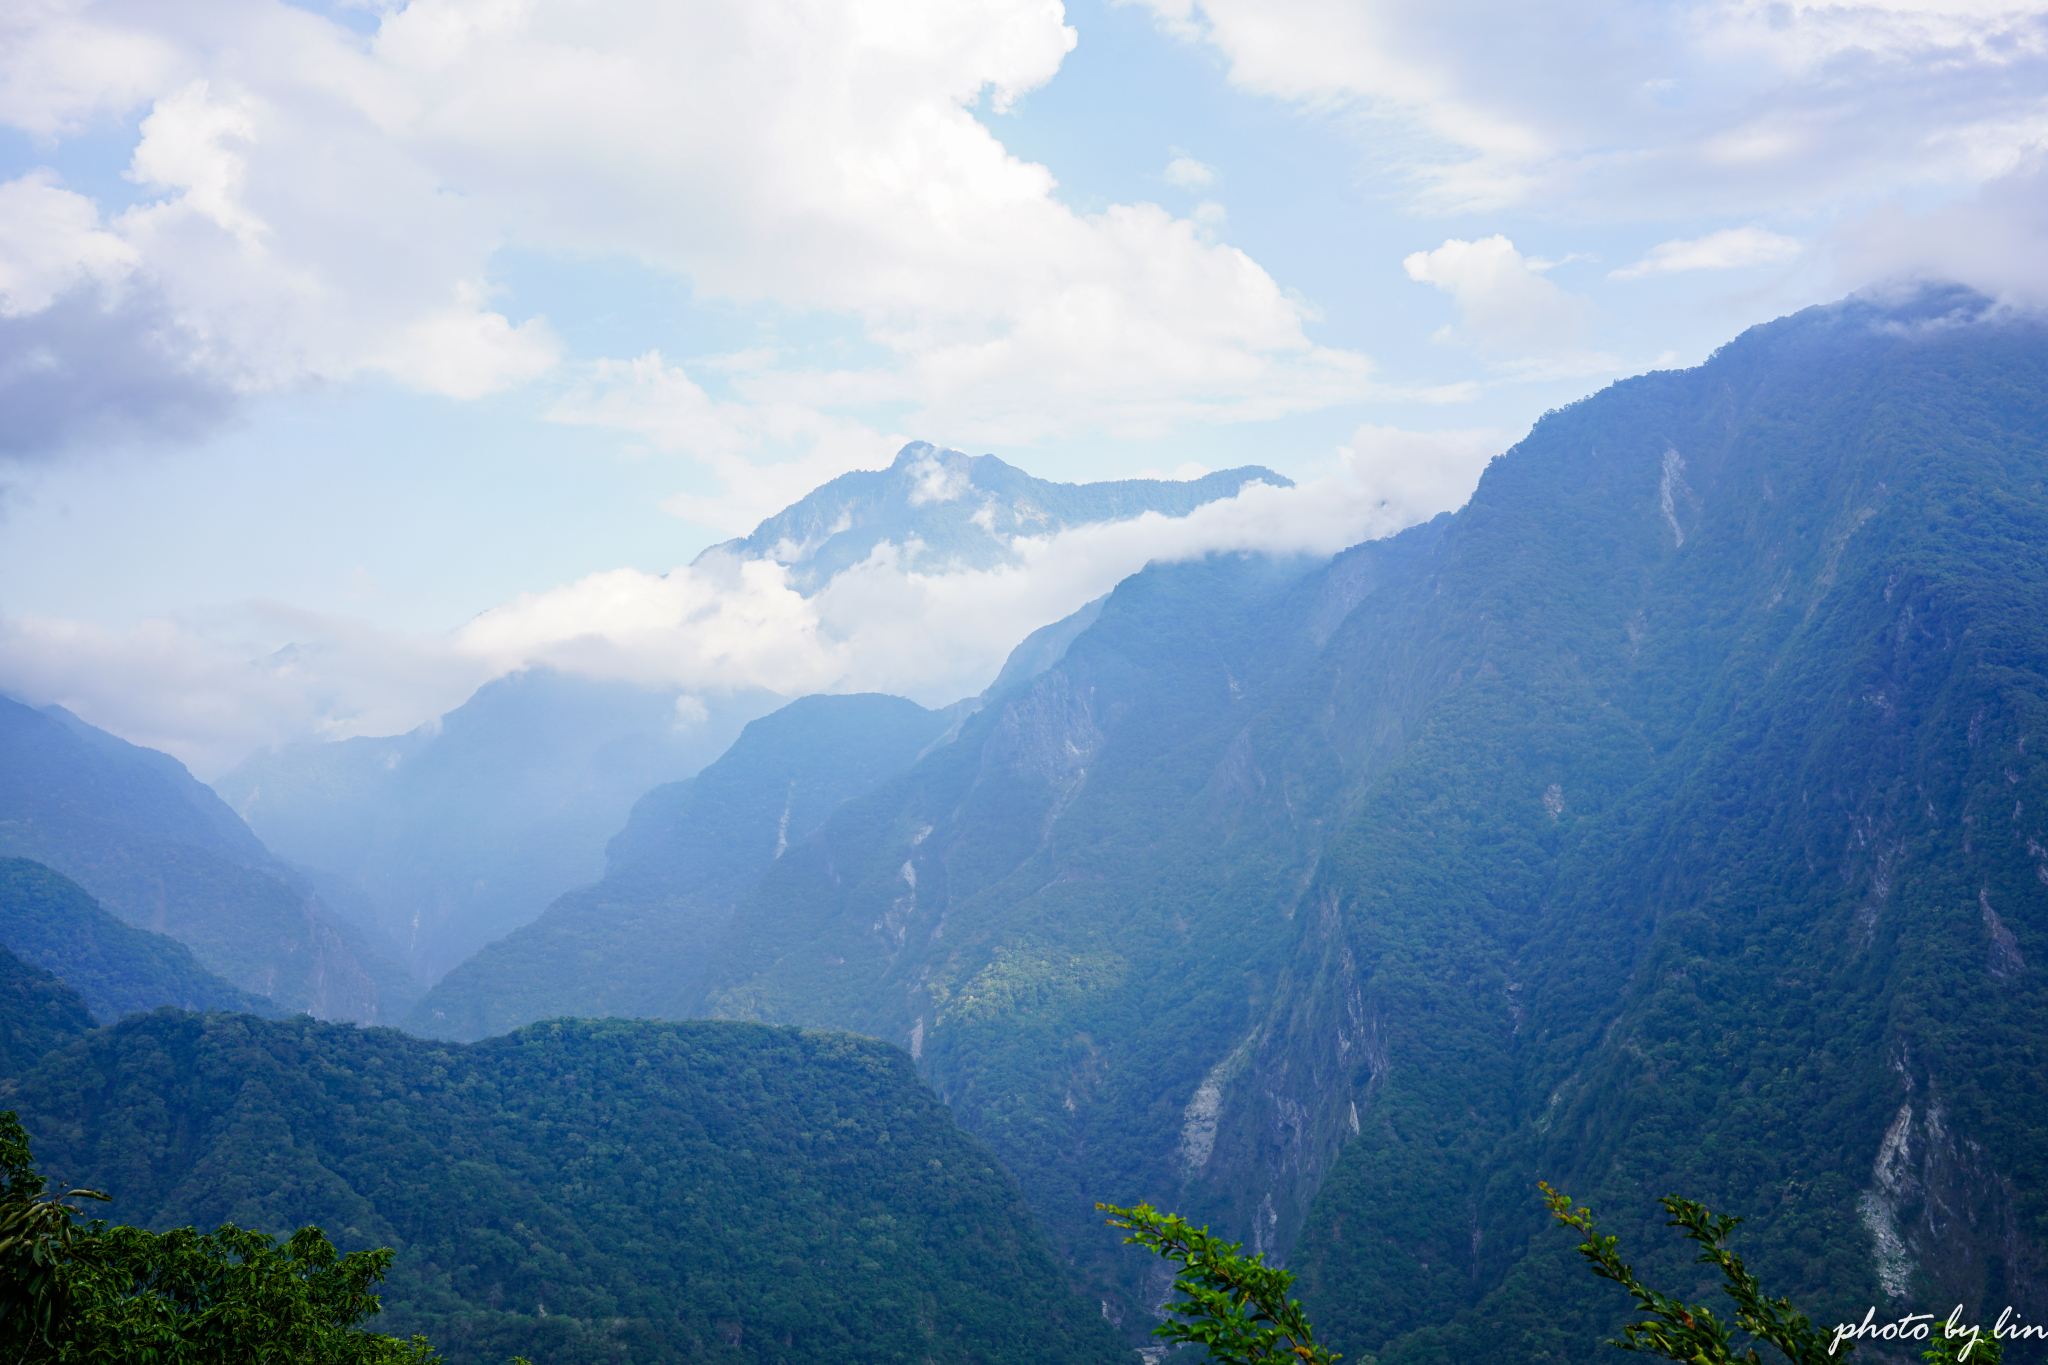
[[893, 623]]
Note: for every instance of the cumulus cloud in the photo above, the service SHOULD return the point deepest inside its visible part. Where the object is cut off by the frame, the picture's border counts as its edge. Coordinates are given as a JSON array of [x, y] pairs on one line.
[[1705, 106], [1507, 311], [321, 204], [1726, 250], [719, 626], [1188, 173], [464, 352], [50, 241]]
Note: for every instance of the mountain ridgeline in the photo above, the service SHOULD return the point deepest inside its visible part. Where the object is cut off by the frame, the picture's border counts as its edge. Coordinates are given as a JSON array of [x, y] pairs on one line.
[[946, 507], [454, 835], [1671, 818], [1668, 819]]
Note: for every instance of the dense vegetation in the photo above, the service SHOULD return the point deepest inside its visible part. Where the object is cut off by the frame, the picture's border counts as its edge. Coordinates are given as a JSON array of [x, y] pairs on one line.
[[163, 853], [1671, 818], [618, 1192], [1666, 819], [49, 920], [38, 1013], [1719, 868], [101, 1293]]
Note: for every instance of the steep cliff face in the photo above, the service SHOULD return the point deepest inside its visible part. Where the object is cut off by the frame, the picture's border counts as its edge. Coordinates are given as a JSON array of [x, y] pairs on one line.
[[1713, 871], [1618, 830]]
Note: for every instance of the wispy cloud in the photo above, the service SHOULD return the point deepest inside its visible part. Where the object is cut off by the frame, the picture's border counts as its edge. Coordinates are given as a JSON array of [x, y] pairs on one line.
[[1187, 173], [1594, 108], [1730, 249]]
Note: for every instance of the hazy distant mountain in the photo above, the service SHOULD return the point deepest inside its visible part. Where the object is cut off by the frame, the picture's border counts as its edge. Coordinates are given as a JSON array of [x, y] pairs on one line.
[[456, 834], [49, 920], [635, 944], [959, 509], [160, 850], [461, 831]]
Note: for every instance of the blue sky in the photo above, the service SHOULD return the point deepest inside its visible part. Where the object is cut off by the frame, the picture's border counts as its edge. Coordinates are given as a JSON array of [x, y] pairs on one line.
[[337, 325]]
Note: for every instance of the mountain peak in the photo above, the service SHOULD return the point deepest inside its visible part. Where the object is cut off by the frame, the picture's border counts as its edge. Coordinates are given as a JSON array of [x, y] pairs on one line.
[[945, 507]]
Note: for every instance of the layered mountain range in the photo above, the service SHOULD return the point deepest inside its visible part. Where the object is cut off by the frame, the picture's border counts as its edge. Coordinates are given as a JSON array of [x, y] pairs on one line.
[[457, 833], [165, 855], [1663, 820], [1668, 819]]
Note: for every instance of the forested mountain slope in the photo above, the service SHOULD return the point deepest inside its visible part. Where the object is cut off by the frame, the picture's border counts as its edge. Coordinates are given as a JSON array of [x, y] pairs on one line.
[[1715, 862], [582, 1192], [49, 920], [38, 1013], [1045, 911], [1666, 819], [160, 850], [635, 944]]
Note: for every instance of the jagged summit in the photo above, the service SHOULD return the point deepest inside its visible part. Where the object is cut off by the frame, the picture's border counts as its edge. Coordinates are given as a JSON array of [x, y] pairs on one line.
[[960, 509]]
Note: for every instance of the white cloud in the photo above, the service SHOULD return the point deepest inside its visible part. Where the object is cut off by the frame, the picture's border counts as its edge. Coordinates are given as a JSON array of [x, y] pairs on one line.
[[1188, 173], [1703, 106], [1995, 240], [50, 240], [1507, 311], [186, 146], [208, 703], [328, 205], [65, 65], [464, 352], [764, 454], [1725, 250], [882, 625], [719, 626], [936, 483]]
